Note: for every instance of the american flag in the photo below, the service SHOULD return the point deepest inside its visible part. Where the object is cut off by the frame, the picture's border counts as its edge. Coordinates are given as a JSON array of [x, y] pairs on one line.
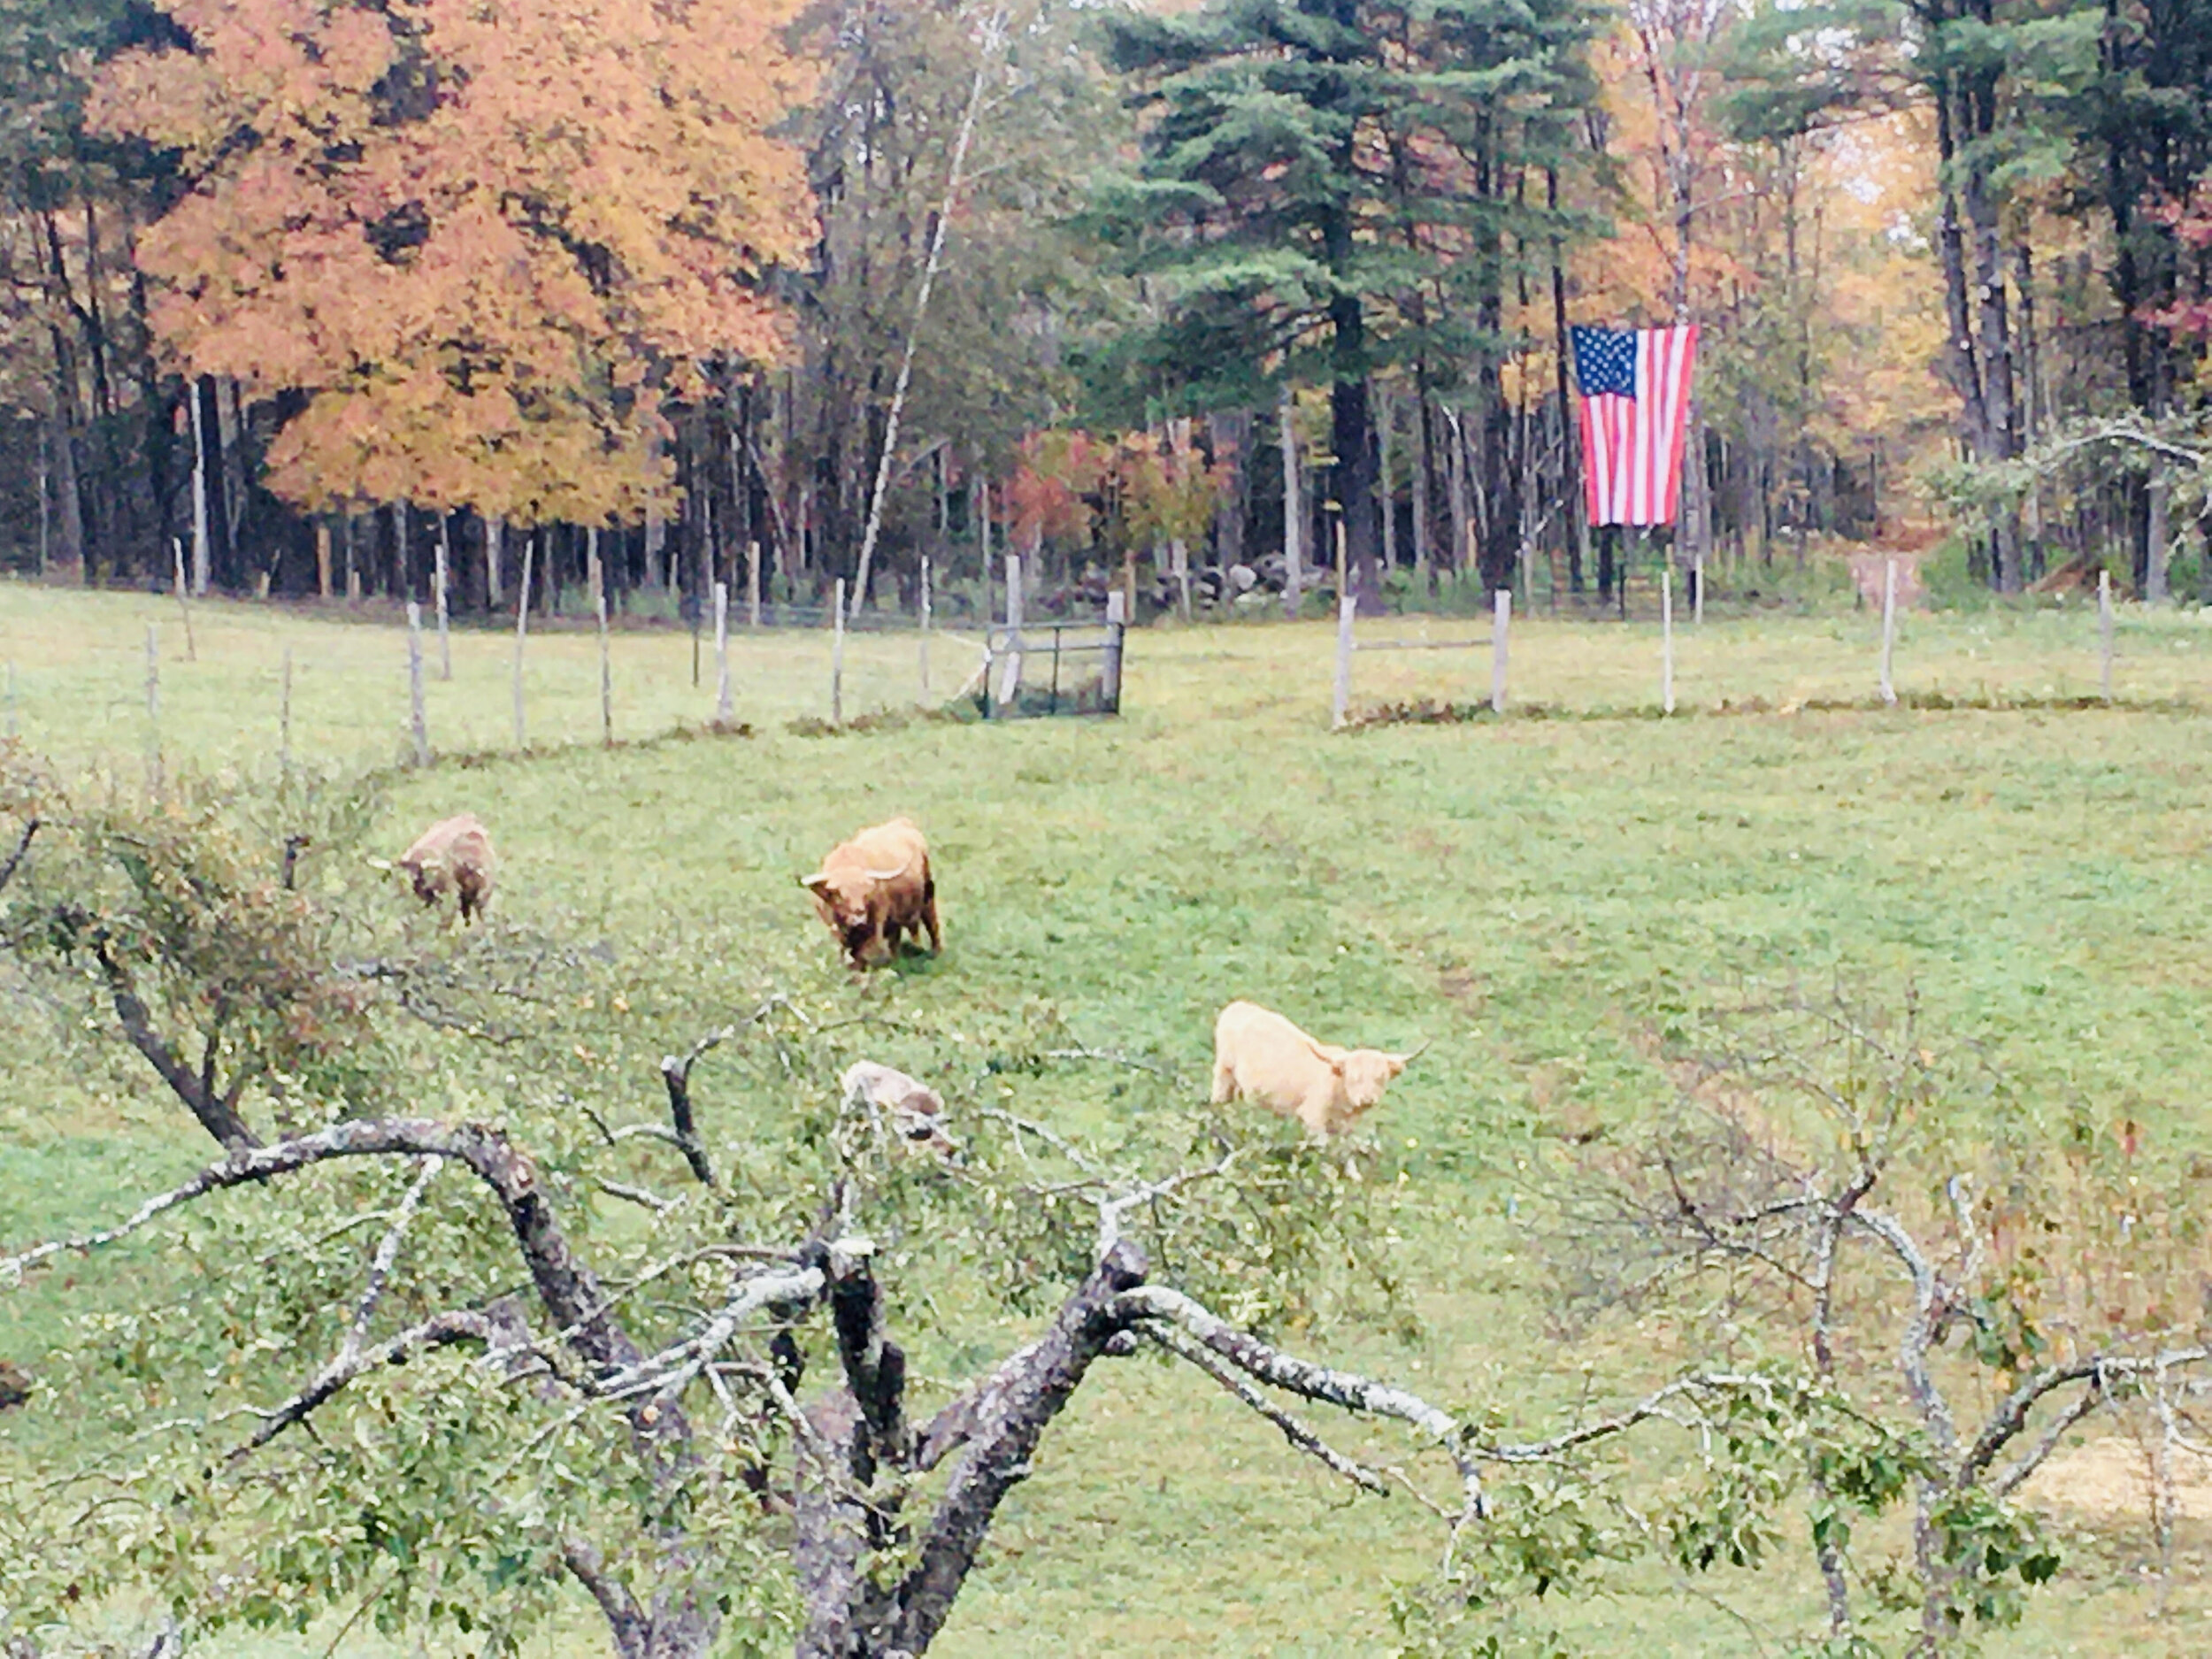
[[1635, 398]]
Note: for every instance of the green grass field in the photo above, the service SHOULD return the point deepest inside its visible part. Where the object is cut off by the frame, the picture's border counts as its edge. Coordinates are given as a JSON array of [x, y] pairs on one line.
[[1531, 896]]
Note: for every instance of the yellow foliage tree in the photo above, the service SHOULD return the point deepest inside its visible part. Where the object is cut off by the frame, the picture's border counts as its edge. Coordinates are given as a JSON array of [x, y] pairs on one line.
[[484, 241]]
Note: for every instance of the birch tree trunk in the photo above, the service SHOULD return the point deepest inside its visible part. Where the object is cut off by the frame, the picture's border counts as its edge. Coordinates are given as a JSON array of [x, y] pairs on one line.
[[495, 552], [1463, 538], [201, 559], [993, 37]]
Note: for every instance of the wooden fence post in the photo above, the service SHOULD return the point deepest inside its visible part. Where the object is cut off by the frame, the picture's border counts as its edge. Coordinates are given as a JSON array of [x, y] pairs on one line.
[[153, 712], [322, 558], [983, 542], [723, 710], [1697, 575], [1346, 607], [1501, 630], [837, 655], [522, 633], [606, 672], [752, 584], [414, 684], [439, 579], [191, 646], [1666, 640], [2104, 633], [1116, 629], [1009, 680], [1889, 626], [925, 618]]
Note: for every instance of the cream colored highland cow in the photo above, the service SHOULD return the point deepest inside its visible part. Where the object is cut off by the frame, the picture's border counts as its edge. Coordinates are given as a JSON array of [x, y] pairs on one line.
[[1259, 1056]]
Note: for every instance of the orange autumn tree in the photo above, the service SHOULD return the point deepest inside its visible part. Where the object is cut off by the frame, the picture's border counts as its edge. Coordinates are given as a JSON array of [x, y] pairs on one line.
[[487, 240]]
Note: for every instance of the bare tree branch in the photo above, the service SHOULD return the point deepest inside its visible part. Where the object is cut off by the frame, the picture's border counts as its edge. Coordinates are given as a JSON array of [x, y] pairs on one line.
[[1295, 1432], [1928, 1293], [386, 1255], [1652, 1405], [637, 1196], [567, 1288], [631, 1630], [1301, 1377], [22, 851], [2100, 1371], [676, 1075], [216, 1114], [439, 1331], [668, 1373], [1059, 1143], [1011, 1415], [1110, 1210]]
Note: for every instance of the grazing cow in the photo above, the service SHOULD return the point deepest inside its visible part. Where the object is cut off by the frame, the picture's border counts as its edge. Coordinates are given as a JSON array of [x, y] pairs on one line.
[[453, 855], [875, 887], [1259, 1056], [903, 1105]]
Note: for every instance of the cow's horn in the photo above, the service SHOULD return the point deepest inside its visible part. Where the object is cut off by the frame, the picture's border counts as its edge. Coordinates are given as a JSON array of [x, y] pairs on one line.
[[819, 879], [885, 875], [1409, 1058], [384, 865]]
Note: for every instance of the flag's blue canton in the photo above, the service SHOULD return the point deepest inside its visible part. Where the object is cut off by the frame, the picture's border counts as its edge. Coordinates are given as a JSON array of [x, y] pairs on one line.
[[1605, 361]]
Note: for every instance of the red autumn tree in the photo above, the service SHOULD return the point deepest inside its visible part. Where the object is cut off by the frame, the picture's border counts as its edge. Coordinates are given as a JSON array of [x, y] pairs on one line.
[[487, 240]]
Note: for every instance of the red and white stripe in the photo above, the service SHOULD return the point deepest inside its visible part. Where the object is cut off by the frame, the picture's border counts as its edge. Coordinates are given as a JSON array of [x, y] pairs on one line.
[[1632, 447]]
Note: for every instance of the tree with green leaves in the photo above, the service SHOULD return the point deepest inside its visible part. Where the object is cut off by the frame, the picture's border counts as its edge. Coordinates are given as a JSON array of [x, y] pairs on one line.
[[1997, 80], [1329, 187]]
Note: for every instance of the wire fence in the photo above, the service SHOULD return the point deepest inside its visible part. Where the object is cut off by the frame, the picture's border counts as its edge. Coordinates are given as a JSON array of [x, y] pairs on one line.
[[123, 679], [2081, 652], [114, 677]]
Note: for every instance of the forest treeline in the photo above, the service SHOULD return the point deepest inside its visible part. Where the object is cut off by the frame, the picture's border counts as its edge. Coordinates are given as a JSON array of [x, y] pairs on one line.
[[311, 297]]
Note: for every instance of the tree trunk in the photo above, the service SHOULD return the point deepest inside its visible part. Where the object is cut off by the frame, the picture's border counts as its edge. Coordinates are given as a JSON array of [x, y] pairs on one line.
[[2157, 532], [230, 550], [68, 560], [203, 492], [1423, 493], [1577, 538], [1230, 438], [1294, 527], [1463, 532], [1996, 349], [1386, 496]]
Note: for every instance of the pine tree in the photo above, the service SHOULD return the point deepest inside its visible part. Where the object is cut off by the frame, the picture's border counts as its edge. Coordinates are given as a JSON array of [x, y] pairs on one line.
[[1330, 187]]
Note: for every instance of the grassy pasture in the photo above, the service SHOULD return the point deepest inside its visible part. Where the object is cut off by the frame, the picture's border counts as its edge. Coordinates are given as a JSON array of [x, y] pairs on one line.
[[1535, 896]]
